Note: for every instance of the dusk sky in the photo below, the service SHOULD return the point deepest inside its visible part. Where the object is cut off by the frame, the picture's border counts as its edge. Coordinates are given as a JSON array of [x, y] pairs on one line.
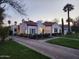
[[45, 10]]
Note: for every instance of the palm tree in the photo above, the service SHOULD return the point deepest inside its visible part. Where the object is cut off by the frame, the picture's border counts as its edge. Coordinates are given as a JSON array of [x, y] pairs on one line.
[[67, 8], [1, 15], [15, 22], [9, 22]]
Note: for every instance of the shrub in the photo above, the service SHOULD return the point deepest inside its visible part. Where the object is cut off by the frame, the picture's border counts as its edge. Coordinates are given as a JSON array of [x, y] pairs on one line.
[[39, 36], [56, 34], [4, 32], [23, 35]]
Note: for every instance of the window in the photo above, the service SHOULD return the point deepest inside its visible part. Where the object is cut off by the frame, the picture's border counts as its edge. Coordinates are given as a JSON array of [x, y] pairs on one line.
[[55, 30], [60, 31], [32, 31], [15, 30]]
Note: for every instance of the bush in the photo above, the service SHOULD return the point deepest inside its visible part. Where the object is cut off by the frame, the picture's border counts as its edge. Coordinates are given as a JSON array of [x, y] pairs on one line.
[[69, 33], [56, 34], [39, 36], [23, 35], [75, 28], [4, 32], [10, 32]]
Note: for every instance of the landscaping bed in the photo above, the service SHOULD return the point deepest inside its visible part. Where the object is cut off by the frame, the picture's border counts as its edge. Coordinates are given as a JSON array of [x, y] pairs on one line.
[[39, 36]]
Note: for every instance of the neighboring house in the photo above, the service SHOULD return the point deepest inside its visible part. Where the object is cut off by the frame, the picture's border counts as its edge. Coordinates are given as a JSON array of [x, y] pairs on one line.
[[14, 29], [65, 29], [51, 27], [28, 27]]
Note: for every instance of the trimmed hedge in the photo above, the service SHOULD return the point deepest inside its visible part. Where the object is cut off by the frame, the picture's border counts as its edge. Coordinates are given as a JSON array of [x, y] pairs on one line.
[[22, 35], [39, 36], [56, 34]]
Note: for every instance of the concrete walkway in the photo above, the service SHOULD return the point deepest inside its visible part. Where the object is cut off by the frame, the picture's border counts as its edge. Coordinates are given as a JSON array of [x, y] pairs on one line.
[[48, 39], [52, 51]]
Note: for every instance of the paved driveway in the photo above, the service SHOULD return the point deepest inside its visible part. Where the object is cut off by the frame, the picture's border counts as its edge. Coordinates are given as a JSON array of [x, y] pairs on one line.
[[53, 51]]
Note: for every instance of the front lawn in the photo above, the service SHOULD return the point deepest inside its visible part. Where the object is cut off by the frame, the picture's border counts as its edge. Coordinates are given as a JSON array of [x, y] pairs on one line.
[[17, 51], [65, 42], [73, 36]]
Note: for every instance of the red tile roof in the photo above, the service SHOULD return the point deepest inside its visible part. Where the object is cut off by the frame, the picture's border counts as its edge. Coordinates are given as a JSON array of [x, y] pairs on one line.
[[48, 23], [30, 23]]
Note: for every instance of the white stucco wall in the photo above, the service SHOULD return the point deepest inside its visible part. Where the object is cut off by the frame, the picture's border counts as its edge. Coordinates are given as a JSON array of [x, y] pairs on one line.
[[40, 26], [65, 31], [13, 27], [56, 26], [50, 29], [47, 29], [23, 28], [26, 29], [32, 27]]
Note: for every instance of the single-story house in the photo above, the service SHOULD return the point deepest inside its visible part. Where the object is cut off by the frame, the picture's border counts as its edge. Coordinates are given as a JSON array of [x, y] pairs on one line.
[[65, 29], [28, 27], [31, 27], [51, 27]]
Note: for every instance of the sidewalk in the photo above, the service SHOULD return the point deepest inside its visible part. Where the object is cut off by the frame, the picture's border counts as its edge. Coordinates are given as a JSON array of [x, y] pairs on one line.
[[52, 51]]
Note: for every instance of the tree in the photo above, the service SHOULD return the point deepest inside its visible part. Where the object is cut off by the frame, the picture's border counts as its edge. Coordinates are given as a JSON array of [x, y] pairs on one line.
[[62, 26], [4, 32], [9, 22], [75, 26], [71, 20], [15, 4], [67, 8], [1, 16], [76, 22], [75, 29], [15, 22]]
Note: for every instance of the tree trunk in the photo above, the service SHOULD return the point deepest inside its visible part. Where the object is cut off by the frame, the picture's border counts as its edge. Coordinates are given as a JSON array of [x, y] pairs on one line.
[[68, 23], [42, 33], [51, 32], [62, 27]]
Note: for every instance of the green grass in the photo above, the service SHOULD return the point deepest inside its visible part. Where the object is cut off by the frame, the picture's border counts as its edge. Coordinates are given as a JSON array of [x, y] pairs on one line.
[[65, 42], [17, 51], [73, 36]]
